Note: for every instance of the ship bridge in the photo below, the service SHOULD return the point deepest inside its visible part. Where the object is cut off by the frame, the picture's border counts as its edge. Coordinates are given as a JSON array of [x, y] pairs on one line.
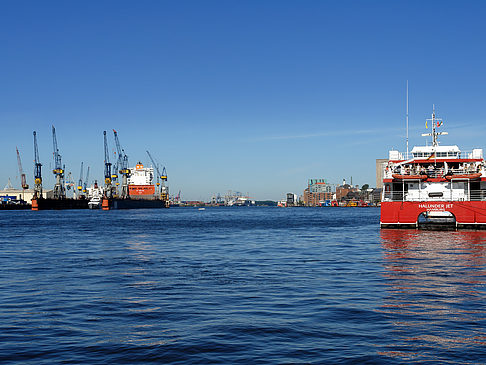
[[439, 151]]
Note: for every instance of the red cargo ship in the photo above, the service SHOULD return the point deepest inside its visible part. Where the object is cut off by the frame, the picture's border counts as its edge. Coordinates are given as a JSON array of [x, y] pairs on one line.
[[142, 193]]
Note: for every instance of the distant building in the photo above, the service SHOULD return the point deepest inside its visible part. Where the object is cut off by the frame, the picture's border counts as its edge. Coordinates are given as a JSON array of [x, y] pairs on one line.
[[379, 171], [292, 200], [11, 194], [347, 192], [318, 191]]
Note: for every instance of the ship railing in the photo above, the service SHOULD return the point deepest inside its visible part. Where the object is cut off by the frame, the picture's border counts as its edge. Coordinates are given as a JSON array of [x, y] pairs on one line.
[[450, 195], [431, 173], [463, 171], [476, 195]]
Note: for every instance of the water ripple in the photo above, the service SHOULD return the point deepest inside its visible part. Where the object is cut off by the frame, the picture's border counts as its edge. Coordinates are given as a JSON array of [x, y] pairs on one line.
[[237, 286]]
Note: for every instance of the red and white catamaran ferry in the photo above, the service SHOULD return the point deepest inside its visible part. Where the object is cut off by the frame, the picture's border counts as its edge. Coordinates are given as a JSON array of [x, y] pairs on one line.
[[437, 187]]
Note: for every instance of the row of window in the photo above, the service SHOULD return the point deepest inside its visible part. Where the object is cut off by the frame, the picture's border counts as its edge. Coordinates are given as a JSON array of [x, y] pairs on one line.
[[437, 154]]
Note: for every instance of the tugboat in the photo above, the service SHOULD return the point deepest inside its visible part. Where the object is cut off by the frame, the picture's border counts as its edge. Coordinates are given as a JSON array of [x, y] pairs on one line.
[[437, 187]]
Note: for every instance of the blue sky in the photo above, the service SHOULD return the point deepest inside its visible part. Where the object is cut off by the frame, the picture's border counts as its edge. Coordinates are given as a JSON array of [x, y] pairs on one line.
[[253, 96]]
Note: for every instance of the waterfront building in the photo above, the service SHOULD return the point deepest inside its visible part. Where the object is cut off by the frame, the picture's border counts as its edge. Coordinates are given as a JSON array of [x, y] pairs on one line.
[[12, 195], [318, 191], [347, 192], [292, 200], [380, 167]]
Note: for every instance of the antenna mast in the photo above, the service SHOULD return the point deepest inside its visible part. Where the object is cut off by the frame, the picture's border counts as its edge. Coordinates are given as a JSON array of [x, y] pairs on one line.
[[407, 119], [435, 122]]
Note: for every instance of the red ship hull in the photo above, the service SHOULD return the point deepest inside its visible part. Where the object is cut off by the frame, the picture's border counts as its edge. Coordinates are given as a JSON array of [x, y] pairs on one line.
[[141, 190], [467, 214]]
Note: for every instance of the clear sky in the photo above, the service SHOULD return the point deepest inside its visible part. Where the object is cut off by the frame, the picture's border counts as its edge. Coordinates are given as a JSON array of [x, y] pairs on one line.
[[252, 96]]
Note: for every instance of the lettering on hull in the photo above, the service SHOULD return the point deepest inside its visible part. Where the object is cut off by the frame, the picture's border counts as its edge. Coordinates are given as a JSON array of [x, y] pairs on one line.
[[440, 207]]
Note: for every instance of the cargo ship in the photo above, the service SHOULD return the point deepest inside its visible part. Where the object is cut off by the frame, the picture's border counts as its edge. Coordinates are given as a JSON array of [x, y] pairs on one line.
[[142, 192], [437, 187]]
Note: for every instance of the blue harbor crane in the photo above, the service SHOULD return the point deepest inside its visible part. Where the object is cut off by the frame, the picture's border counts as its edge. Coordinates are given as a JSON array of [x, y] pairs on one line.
[[122, 164], [164, 190], [114, 173], [108, 190], [59, 189], [86, 181], [37, 171], [80, 182]]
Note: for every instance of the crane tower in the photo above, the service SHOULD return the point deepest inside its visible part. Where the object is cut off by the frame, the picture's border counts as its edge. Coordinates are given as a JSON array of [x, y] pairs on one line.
[[59, 188], [23, 180], [37, 171], [164, 190], [122, 164], [80, 182], [107, 168]]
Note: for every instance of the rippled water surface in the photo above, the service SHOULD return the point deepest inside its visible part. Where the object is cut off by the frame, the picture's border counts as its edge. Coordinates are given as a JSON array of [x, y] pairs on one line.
[[237, 285]]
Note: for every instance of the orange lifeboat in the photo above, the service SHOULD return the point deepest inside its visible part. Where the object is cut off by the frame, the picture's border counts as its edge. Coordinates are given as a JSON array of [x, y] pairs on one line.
[[473, 176], [409, 177]]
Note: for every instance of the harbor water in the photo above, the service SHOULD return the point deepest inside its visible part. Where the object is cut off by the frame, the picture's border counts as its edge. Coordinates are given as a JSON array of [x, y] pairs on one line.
[[247, 285]]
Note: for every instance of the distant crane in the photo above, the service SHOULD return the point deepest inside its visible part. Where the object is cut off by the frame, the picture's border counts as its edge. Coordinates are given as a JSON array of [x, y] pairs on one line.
[[59, 189], [69, 183], [86, 181], [107, 168], [114, 171], [164, 191], [80, 181], [122, 164], [23, 180], [37, 171]]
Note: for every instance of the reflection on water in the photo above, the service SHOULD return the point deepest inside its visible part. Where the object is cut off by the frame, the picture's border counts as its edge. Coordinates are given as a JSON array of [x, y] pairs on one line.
[[435, 294]]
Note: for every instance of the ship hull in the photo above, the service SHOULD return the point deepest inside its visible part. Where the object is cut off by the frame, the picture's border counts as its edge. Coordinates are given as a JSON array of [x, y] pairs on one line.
[[60, 204], [142, 191], [460, 215], [137, 204]]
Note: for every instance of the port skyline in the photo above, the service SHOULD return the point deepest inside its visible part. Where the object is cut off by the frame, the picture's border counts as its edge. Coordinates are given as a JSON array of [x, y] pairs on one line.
[[255, 97]]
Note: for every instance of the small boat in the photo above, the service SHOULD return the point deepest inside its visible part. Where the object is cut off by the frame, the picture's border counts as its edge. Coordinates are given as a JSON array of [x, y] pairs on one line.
[[473, 176], [94, 203], [202, 209], [95, 195]]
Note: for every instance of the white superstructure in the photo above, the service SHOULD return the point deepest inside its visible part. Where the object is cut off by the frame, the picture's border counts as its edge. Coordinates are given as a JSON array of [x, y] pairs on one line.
[[140, 175]]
